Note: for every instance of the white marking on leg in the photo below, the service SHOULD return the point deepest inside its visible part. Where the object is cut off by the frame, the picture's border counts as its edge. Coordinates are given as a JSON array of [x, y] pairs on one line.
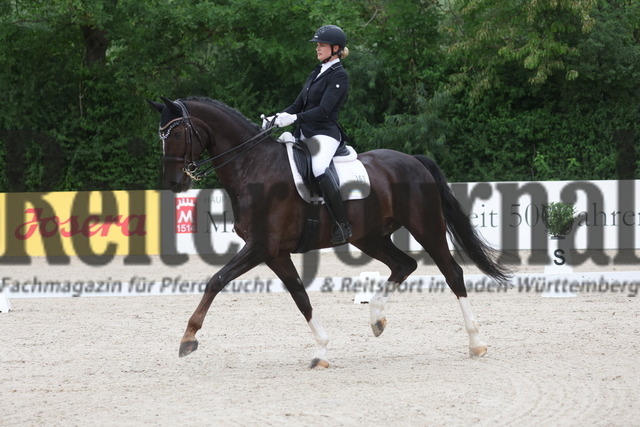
[[476, 346], [322, 340], [377, 305]]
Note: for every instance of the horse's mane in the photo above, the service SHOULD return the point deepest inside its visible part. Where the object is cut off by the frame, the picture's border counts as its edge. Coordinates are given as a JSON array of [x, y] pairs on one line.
[[222, 106]]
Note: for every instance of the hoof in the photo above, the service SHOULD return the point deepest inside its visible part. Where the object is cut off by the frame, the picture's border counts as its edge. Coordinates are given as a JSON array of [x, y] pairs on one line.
[[188, 347], [379, 326], [318, 363], [478, 351]]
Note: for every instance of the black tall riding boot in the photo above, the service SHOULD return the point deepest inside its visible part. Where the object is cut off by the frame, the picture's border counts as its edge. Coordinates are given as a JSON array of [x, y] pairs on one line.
[[341, 230]]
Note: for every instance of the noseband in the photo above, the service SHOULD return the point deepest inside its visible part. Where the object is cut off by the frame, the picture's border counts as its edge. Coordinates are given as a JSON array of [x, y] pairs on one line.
[[165, 131], [191, 165]]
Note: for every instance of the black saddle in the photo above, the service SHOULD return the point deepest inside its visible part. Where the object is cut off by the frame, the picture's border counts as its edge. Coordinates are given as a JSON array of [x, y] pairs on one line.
[[302, 158]]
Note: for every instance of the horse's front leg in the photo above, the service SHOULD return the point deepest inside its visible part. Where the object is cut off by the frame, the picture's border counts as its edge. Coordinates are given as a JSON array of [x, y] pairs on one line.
[[248, 257], [286, 271]]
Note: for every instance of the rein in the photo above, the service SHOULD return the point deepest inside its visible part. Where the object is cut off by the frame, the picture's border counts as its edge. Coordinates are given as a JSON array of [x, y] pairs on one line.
[[191, 169]]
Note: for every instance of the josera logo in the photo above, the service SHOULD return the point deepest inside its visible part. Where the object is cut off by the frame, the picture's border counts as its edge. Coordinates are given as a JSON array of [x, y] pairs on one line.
[[96, 224], [92, 225], [186, 215]]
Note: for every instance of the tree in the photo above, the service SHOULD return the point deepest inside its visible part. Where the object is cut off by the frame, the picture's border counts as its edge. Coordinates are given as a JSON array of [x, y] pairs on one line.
[[539, 35], [532, 96], [395, 72], [103, 58], [493, 89]]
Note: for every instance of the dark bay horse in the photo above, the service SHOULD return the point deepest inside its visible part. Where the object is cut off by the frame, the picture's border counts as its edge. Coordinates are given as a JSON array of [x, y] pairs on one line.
[[409, 191]]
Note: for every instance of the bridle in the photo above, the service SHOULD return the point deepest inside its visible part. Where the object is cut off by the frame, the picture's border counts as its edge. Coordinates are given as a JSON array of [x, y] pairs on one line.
[[165, 131], [191, 165]]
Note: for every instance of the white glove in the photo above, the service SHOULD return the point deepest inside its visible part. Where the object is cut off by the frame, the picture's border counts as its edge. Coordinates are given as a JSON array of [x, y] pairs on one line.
[[285, 119], [266, 121]]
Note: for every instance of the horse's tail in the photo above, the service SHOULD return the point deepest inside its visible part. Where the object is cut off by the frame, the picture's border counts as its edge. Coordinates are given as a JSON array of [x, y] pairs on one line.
[[462, 231]]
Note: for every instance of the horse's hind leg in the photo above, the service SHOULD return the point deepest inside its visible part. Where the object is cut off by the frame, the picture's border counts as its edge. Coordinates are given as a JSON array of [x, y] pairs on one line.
[[435, 243], [476, 346], [286, 271], [401, 265]]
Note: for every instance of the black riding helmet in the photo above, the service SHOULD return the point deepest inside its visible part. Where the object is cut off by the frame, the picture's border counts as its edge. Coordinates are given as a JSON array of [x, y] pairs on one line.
[[331, 34]]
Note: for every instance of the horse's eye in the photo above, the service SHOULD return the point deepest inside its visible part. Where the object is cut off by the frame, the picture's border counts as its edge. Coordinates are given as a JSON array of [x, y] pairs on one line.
[[177, 135]]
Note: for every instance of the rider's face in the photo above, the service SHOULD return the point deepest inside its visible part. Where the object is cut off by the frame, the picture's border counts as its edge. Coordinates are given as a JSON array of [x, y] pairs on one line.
[[323, 51]]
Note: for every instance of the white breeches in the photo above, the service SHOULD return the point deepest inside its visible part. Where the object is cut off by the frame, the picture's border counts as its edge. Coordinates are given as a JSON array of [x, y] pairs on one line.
[[322, 148]]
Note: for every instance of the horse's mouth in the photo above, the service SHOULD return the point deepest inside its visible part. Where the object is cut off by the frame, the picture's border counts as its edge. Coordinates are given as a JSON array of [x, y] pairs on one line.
[[180, 186]]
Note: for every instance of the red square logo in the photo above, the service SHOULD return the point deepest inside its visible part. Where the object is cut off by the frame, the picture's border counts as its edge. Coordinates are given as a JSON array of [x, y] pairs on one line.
[[186, 216]]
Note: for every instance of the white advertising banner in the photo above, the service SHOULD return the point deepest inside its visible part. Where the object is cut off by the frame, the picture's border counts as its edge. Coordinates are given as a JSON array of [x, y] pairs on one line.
[[507, 215]]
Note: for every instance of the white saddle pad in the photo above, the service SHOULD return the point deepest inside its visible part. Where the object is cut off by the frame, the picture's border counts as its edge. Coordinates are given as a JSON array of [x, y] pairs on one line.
[[354, 179]]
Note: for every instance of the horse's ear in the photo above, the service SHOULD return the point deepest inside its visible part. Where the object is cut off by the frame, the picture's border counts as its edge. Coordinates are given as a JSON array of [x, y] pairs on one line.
[[155, 105], [172, 106]]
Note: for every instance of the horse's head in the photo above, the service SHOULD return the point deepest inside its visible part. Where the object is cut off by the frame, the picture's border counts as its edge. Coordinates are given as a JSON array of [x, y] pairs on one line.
[[181, 144]]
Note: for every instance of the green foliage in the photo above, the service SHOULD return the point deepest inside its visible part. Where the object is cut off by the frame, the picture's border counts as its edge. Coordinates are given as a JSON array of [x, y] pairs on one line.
[[539, 36], [558, 218], [519, 128], [493, 89], [395, 72]]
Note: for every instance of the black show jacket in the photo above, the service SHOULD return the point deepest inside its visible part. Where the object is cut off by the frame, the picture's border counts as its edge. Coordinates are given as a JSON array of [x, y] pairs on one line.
[[319, 102]]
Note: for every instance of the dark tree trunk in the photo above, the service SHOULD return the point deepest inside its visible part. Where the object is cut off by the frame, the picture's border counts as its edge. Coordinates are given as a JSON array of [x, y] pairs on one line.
[[96, 44], [626, 153]]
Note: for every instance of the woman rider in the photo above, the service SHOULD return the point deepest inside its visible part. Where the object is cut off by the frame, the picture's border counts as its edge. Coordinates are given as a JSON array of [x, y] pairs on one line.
[[315, 112]]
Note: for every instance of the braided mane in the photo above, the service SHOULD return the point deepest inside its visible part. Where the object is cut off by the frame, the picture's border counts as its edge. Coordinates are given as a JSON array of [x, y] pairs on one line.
[[222, 106]]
